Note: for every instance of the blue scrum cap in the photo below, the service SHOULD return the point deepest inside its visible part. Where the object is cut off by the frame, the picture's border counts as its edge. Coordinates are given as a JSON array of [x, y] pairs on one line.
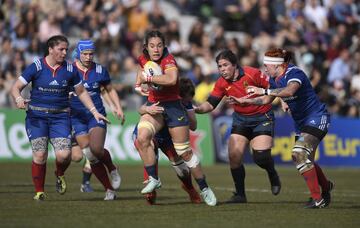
[[84, 45]]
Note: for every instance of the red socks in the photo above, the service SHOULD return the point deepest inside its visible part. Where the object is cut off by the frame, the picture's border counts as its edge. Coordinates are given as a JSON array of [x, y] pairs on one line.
[[61, 167], [323, 181], [107, 161], [100, 172], [38, 172], [312, 183]]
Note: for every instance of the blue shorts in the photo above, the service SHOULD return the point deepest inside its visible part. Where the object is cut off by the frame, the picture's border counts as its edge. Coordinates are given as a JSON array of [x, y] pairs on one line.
[[175, 114], [51, 125], [254, 125], [81, 125], [317, 125]]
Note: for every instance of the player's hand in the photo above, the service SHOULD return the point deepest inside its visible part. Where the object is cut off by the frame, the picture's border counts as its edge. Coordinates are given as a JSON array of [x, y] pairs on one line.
[[145, 78], [285, 106], [255, 90], [118, 112], [21, 103], [141, 91], [154, 109], [98, 116]]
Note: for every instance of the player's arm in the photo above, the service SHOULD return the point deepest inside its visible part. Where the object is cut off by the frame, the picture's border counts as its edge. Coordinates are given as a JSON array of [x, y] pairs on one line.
[[85, 98], [287, 91], [262, 100], [170, 77], [16, 94], [114, 101], [208, 105]]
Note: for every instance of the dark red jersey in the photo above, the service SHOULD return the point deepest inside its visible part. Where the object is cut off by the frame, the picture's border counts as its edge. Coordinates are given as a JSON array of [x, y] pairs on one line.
[[166, 93], [251, 77]]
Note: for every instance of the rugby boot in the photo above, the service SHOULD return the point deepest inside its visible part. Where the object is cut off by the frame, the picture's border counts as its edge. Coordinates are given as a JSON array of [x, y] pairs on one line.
[[326, 194], [86, 188], [275, 184], [315, 204], [208, 196], [115, 179], [236, 198], [110, 195], [39, 196], [151, 185], [60, 184]]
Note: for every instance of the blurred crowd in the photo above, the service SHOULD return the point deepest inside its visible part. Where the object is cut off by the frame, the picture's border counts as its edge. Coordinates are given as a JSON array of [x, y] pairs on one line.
[[323, 35]]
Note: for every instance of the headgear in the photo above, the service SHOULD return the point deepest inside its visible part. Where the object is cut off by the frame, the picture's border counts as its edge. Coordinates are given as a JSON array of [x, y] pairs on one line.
[[84, 45]]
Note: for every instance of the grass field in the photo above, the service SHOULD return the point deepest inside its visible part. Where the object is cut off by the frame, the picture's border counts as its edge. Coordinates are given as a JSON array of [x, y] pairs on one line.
[[173, 209]]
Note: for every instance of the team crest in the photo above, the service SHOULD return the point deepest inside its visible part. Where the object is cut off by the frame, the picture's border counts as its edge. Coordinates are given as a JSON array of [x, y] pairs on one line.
[[64, 83]]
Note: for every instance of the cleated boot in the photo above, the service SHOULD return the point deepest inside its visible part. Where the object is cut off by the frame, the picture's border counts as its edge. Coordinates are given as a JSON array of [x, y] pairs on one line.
[[39, 196], [60, 184], [151, 185], [208, 196], [115, 179], [110, 195]]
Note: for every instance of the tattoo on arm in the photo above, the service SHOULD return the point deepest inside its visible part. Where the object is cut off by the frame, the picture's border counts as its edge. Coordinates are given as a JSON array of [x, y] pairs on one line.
[[257, 101], [275, 92]]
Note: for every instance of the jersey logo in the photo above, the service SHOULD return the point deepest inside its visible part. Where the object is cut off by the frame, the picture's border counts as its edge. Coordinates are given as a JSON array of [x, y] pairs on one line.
[[64, 83], [86, 85], [245, 84], [95, 85], [181, 118], [228, 88], [265, 124], [312, 122], [54, 83]]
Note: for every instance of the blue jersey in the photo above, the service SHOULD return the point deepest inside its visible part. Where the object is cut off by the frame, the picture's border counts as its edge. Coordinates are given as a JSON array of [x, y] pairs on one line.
[[50, 87], [304, 104], [92, 79]]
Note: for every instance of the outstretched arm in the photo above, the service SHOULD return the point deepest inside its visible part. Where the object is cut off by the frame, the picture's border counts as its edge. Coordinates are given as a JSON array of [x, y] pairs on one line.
[[287, 91], [251, 101]]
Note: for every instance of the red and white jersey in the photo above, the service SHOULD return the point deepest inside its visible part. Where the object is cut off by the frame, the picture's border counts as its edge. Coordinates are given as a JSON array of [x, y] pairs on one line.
[[166, 93], [251, 77]]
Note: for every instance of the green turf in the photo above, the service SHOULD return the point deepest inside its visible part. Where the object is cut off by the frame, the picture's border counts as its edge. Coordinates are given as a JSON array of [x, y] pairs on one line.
[[75, 209]]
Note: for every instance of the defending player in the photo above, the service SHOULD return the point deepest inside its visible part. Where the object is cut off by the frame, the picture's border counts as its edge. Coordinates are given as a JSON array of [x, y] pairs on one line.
[[310, 116], [252, 125]]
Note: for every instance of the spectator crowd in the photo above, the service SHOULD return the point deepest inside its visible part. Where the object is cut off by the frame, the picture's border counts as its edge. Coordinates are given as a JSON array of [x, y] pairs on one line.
[[324, 36]]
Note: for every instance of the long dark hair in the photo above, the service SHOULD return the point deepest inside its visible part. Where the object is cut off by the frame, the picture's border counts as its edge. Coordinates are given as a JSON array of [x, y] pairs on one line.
[[53, 41], [148, 36]]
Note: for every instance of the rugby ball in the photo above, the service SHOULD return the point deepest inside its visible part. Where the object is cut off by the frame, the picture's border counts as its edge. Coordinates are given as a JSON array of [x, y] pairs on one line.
[[153, 69]]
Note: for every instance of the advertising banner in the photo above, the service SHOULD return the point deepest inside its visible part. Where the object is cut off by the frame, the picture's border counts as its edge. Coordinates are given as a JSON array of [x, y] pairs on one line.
[[14, 145], [340, 147]]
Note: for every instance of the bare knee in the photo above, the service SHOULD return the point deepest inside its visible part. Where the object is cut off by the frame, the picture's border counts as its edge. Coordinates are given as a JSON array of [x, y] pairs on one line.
[[40, 157]]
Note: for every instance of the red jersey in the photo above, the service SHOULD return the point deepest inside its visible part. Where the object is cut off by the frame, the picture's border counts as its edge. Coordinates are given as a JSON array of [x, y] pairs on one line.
[[251, 77], [166, 93]]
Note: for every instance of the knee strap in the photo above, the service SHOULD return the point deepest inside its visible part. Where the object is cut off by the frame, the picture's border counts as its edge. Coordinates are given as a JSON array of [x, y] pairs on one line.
[[300, 155], [148, 125], [193, 162], [182, 148]]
